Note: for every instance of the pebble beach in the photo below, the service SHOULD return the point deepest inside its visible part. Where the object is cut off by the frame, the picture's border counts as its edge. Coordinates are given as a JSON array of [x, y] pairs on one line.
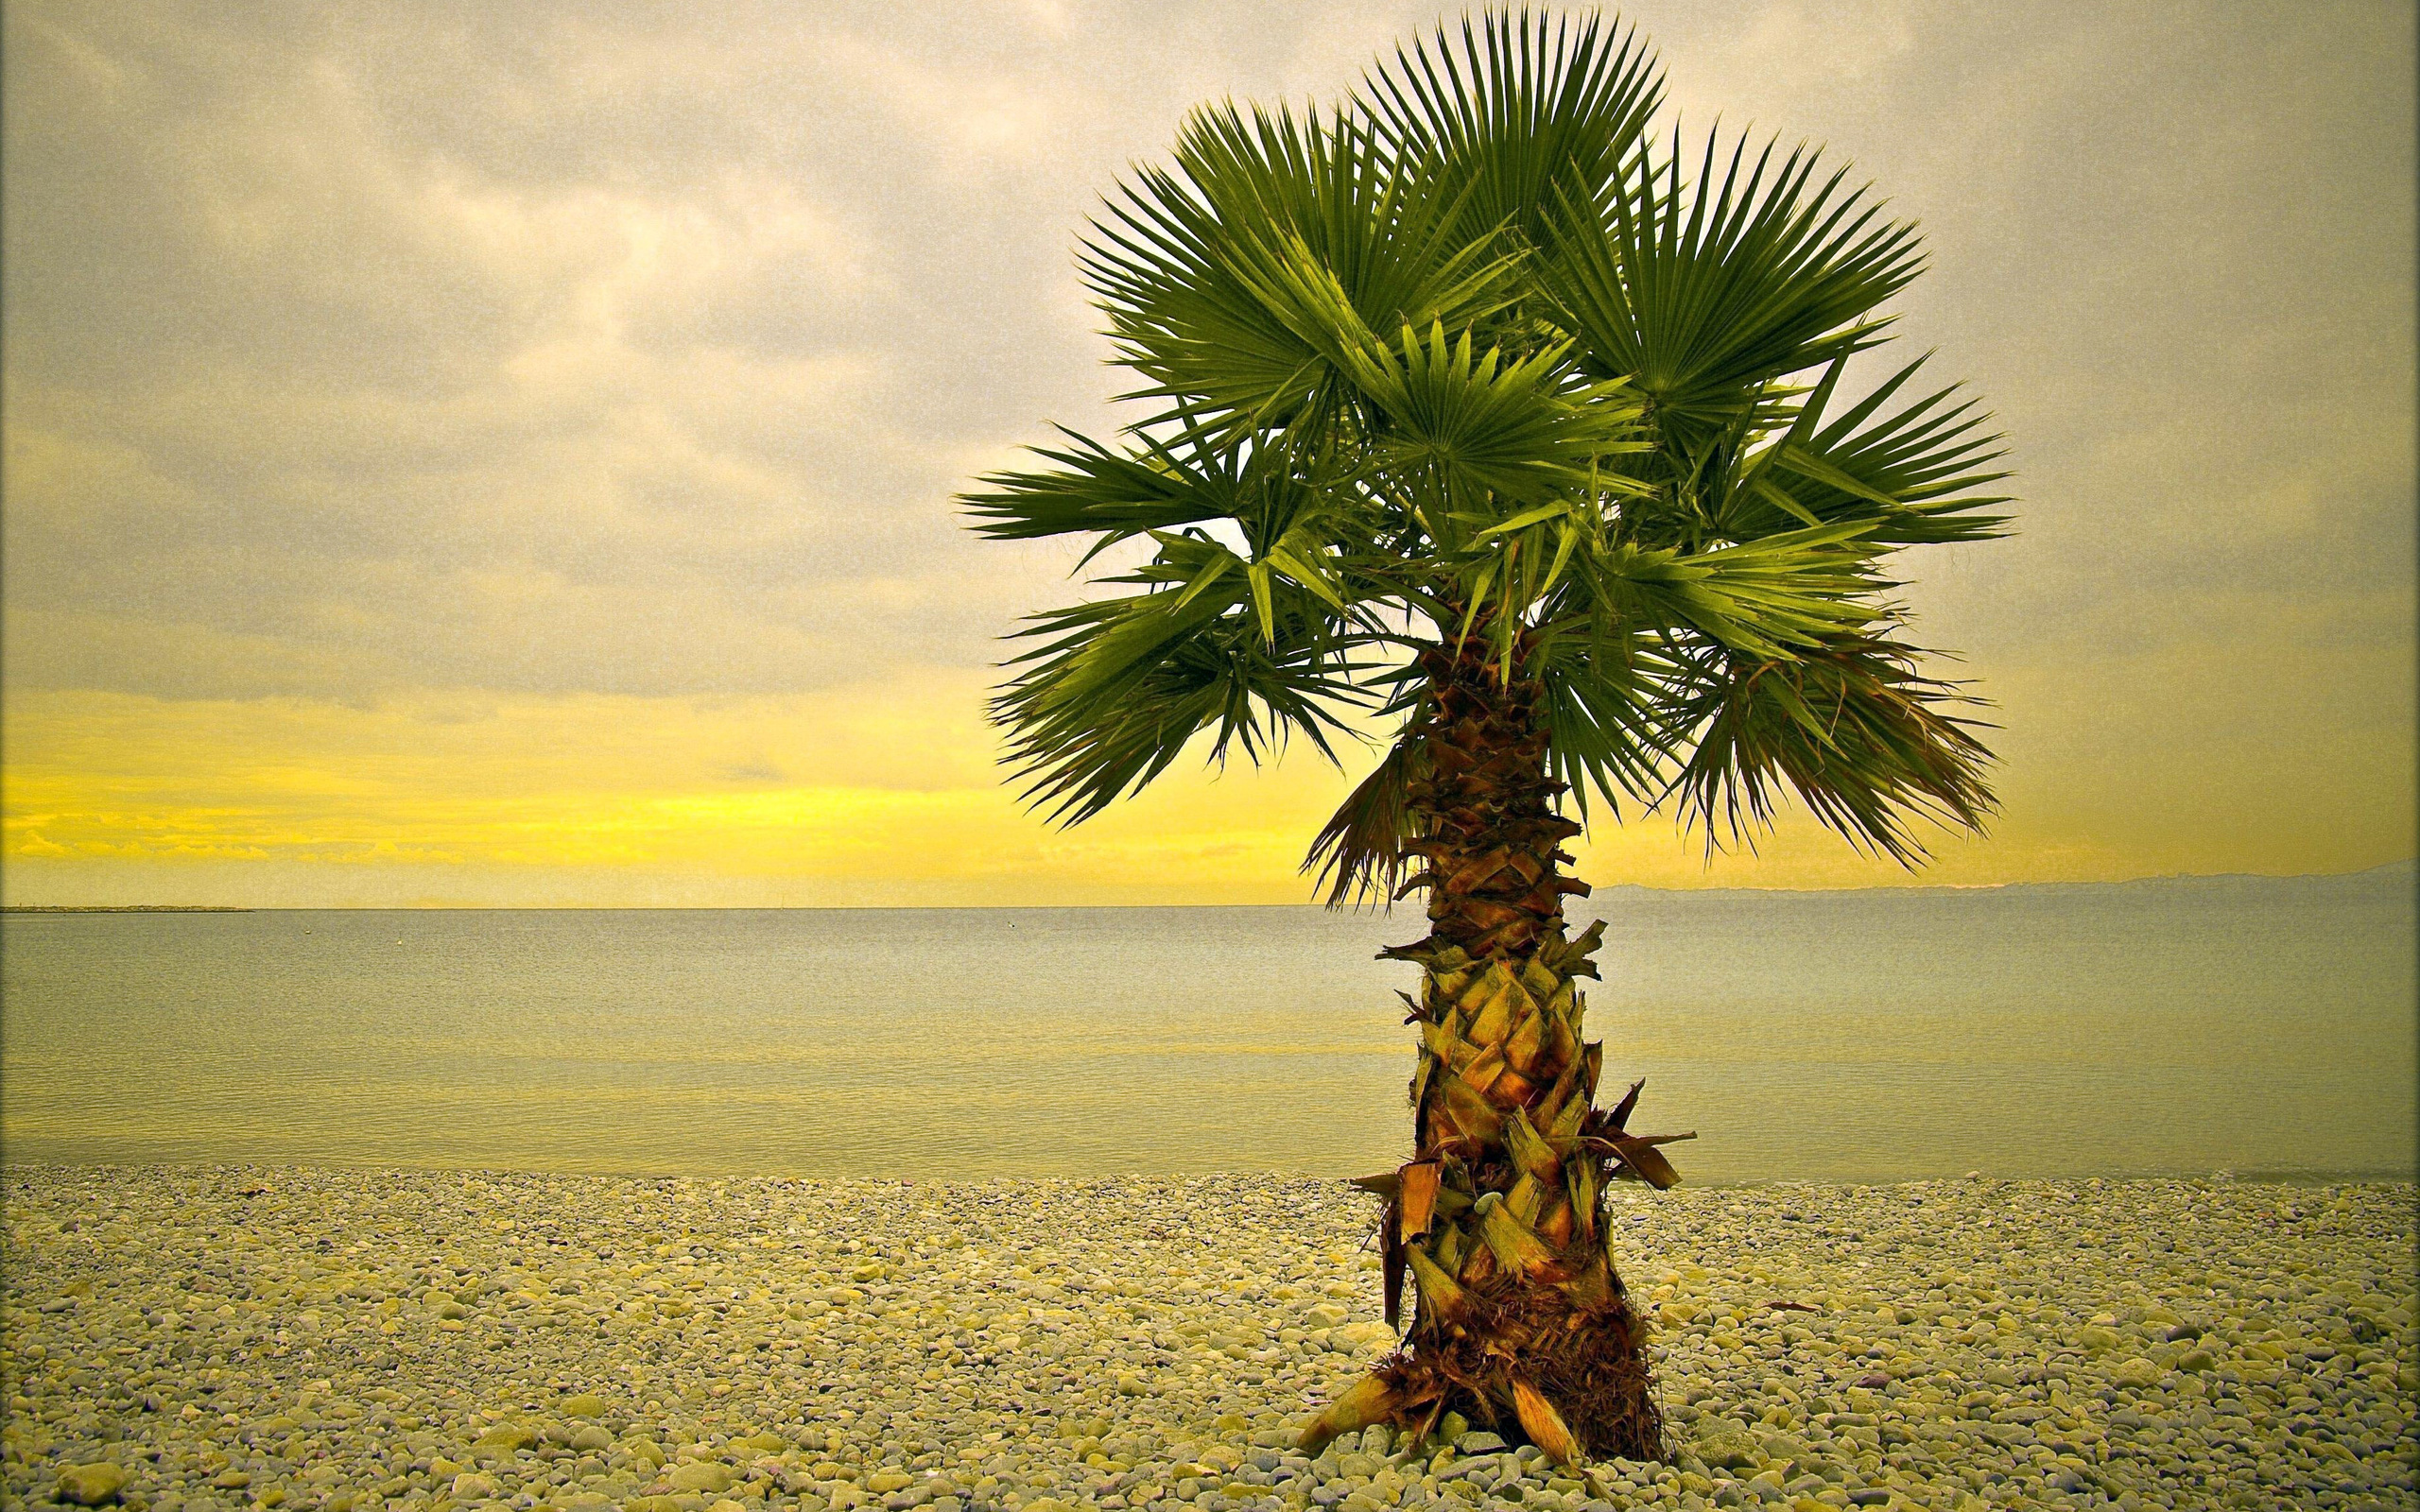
[[198, 1339]]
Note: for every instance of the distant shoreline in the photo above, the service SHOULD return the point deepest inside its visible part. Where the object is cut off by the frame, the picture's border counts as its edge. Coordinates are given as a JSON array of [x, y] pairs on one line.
[[122, 908]]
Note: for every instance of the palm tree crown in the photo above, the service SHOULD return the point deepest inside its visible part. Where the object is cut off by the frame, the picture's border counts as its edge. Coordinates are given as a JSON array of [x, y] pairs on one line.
[[1471, 364]]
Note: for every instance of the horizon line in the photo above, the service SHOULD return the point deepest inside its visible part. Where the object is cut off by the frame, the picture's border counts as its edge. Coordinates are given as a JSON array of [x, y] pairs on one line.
[[767, 908]]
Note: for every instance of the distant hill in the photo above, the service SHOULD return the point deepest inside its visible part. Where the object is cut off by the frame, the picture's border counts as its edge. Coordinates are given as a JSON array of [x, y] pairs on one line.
[[2402, 876]]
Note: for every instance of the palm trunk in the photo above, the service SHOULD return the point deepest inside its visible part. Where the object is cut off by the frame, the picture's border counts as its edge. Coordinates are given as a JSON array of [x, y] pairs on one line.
[[1521, 1323]]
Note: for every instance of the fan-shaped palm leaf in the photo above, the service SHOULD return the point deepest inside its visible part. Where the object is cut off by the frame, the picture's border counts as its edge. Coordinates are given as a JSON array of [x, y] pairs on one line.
[[1701, 299], [1526, 116]]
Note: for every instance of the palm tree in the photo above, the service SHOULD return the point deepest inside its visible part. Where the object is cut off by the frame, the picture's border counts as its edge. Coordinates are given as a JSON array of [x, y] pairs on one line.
[[1479, 416]]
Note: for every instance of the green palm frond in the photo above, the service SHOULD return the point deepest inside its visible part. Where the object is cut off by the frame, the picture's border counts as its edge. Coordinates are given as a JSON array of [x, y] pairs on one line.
[[1526, 117], [1761, 597], [1852, 726], [1928, 459], [1494, 431], [1187, 261], [1701, 299], [1358, 852], [1116, 494], [1117, 688], [1610, 733]]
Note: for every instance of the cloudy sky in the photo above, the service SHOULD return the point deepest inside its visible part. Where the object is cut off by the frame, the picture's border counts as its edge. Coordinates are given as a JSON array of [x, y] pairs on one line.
[[504, 453]]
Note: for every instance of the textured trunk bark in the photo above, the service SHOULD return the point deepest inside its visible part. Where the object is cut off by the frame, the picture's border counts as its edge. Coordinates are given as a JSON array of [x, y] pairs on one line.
[[1521, 1321]]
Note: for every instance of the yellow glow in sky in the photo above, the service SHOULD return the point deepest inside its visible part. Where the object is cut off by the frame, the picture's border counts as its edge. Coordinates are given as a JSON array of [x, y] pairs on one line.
[[887, 795]]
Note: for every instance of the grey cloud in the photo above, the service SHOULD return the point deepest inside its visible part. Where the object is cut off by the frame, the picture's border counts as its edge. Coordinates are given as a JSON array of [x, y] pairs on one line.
[[2173, 247], [354, 347]]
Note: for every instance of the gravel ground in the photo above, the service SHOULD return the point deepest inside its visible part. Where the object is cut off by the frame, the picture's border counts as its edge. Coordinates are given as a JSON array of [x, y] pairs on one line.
[[239, 1338]]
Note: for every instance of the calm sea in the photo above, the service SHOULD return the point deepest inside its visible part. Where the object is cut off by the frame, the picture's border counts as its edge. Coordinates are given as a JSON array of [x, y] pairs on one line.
[[2258, 1025]]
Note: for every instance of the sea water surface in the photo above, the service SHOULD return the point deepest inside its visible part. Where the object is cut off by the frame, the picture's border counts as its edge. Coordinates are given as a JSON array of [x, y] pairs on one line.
[[2252, 1024]]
